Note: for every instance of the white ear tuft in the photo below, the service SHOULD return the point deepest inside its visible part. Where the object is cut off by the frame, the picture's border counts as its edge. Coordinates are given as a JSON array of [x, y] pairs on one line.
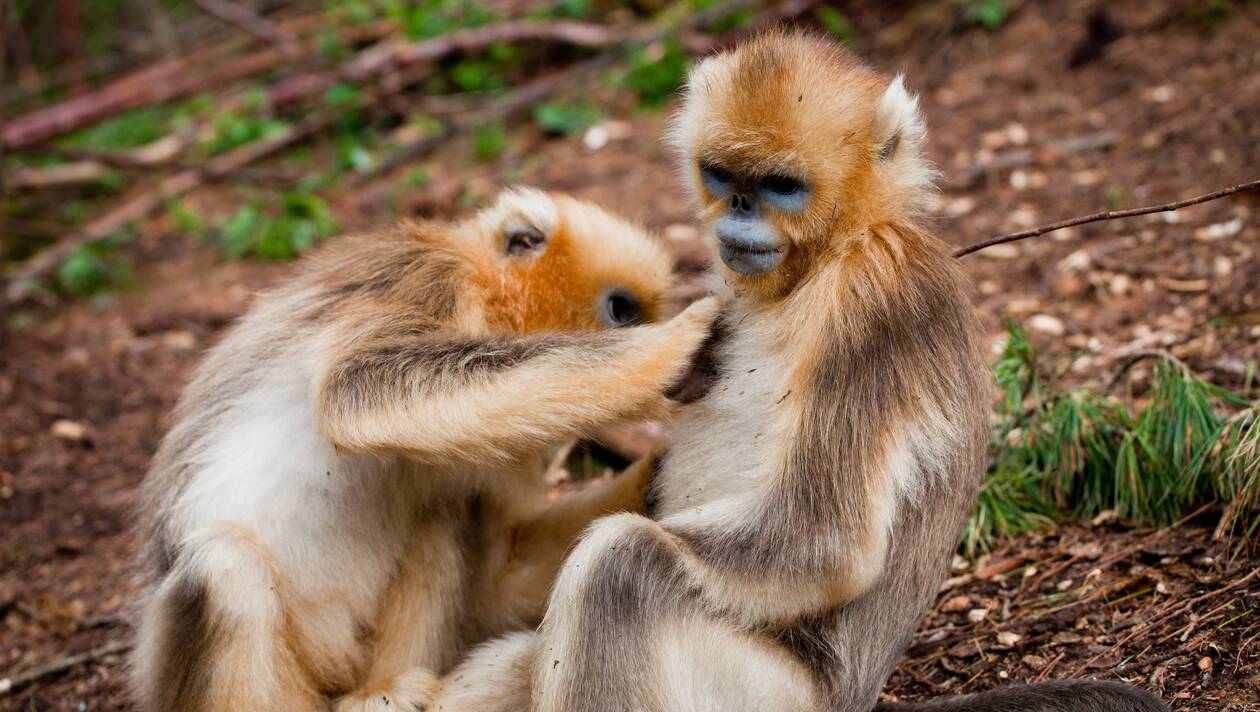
[[899, 136], [899, 127]]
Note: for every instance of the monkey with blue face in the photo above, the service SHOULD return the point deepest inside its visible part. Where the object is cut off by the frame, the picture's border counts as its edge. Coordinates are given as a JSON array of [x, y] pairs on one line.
[[806, 512]]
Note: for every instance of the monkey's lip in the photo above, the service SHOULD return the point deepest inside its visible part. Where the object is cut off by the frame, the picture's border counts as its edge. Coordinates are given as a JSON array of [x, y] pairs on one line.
[[746, 248], [748, 259]]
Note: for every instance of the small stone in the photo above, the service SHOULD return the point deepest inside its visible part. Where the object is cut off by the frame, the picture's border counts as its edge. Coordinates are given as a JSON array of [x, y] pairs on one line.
[[1023, 217], [1016, 133], [1161, 94], [1218, 231], [1162, 588], [69, 430], [595, 138], [1008, 638], [977, 615], [1120, 285], [1205, 664], [1047, 324], [1078, 261], [1006, 251], [960, 206], [1065, 584], [1222, 266], [1034, 662]]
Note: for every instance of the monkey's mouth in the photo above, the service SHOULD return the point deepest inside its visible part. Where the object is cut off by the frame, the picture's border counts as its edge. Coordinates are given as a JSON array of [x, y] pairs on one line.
[[749, 259]]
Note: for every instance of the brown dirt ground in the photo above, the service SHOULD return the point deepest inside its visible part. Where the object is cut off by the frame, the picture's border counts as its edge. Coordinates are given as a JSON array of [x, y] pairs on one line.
[[1161, 609]]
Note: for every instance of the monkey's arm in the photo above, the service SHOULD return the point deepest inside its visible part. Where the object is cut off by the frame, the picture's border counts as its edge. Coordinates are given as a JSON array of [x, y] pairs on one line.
[[540, 544], [491, 398]]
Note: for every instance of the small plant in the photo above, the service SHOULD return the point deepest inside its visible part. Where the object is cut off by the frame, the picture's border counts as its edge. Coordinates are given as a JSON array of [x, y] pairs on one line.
[[93, 268], [232, 130], [564, 119], [127, 130], [656, 72], [277, 232], [489, 141], [835, 23], [1058, 452], [989, 14]]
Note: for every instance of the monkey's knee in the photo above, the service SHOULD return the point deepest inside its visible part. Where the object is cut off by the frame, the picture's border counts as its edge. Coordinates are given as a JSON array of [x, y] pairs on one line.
[[623, 565], [211, 637]]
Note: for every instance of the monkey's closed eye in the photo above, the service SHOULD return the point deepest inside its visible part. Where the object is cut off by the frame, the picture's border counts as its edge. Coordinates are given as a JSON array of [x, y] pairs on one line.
[[523, 240], [619, 307], [782, 185], [715, 174]]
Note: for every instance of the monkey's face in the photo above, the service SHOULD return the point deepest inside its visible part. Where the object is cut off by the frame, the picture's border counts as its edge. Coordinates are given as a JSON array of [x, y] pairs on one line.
[[749, 208], [566, 265], [788, 146]]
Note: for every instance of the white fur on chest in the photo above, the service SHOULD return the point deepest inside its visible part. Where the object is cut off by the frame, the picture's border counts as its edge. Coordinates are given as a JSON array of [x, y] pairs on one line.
[[725, 446]]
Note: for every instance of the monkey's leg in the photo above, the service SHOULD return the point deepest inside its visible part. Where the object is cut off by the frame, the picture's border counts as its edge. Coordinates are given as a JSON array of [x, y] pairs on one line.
[[539, 545], [491, 399], [416, 631], [625, 630], [213, 639]]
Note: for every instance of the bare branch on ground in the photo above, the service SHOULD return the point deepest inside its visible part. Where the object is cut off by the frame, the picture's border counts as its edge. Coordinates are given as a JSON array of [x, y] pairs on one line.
[[251, 22], [1107, 215], [65, 664]]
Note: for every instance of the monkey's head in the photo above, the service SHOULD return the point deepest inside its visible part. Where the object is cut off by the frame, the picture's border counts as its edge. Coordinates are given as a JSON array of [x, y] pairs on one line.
[[793, 147], [561, 264]]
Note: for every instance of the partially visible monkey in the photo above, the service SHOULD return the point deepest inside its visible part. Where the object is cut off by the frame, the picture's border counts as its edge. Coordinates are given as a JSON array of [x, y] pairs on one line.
[[351, 492], [804, 516]]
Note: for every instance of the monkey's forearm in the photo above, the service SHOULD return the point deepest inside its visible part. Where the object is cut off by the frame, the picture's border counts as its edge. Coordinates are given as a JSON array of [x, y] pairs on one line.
[[493, 398]]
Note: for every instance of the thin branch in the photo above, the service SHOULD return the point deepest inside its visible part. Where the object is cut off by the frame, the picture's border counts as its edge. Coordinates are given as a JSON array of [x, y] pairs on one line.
[[65, 664], [251, 22], [1107, 215], [149, 200]]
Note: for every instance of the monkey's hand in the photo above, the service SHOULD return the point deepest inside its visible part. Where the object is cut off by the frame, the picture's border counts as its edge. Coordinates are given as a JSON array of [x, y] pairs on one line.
[[409, 691], [491, 398]]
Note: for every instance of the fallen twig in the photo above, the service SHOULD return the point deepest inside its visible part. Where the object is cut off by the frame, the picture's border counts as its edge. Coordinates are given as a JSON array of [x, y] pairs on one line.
[[151, 199], [57, 667], [1048, 153], [1106, 215], [252, 23]]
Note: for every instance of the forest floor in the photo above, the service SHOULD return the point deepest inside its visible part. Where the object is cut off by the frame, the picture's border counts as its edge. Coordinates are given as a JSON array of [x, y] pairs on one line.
[[1168, 110]]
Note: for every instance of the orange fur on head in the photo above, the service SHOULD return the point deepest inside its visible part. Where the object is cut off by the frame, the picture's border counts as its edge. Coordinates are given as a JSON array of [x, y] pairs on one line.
[[587, 253], [796, 105]]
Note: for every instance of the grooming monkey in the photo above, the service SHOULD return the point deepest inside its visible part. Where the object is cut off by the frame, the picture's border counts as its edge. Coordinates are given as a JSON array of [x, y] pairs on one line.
[[804, 516], [351, 492]]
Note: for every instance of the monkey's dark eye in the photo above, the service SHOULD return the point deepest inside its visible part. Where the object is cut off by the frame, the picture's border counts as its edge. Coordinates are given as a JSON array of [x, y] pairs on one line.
[[523, 240], [620, 308], [782, 185], [713, 173]]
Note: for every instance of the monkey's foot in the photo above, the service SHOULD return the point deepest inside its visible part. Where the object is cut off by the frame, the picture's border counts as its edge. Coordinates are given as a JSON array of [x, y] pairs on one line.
[[409, 691]]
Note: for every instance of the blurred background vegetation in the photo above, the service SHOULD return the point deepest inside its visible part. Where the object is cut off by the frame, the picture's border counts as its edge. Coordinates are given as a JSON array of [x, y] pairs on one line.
[[117, 111]]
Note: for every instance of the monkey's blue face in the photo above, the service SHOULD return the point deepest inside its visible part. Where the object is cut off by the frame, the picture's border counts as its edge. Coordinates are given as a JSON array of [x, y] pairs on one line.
[[749, 242]]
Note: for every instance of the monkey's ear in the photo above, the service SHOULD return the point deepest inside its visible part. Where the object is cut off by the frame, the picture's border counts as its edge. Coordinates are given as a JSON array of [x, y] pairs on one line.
[[899, 126], [899, 135], [523, 220], [521, 240]]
